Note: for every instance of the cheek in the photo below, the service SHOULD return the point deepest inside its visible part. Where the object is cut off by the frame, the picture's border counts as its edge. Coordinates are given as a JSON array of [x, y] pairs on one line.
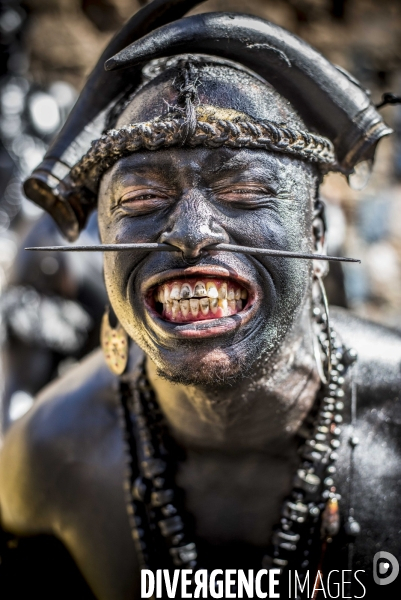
[[117, 269], [122, 229], [284, 228], [117, 272], [285, 225], [112, 279], [103, 209], [266, 228]]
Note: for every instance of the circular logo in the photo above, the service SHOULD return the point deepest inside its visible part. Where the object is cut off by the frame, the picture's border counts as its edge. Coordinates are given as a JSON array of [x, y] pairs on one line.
[[385, 568]]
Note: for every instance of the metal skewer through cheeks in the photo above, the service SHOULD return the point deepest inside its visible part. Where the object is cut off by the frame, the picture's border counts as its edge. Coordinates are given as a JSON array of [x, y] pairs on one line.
[[170, 248]]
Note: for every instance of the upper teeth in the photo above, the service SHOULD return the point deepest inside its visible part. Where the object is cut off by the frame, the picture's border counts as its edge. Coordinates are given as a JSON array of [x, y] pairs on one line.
[[223, 291], [200, 289], [175, 293], [186, 291], [212, 290]]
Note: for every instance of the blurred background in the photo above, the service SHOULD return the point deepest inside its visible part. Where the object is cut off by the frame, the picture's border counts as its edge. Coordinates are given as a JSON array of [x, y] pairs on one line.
[[51, 305]]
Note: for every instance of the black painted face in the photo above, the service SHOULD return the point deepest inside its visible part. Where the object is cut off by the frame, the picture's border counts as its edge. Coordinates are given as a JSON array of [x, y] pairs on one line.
[[205, 316]]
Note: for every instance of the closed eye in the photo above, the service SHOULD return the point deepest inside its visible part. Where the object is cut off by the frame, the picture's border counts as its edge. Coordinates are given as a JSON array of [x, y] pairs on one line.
[[143, 200], [248, 195]]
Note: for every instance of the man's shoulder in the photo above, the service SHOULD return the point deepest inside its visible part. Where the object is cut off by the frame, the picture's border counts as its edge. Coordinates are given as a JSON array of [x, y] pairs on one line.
[[62, 407], [376, 377], [68, 422], [375, 461], [378, 348]]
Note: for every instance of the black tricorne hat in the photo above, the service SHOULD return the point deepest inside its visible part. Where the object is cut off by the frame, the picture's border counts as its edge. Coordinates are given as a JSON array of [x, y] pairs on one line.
[[331, 103]]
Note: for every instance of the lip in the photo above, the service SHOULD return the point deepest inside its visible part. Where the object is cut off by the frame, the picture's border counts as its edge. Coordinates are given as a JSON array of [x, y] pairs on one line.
[[209, 327]]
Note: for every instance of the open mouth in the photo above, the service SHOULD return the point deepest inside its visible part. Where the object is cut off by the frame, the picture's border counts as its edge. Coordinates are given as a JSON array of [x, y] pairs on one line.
[[189, 299]]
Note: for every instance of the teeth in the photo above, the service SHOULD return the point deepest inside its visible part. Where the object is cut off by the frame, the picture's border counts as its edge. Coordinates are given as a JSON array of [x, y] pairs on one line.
[[184, 305], [214, 305], [200, 289], [186, 291], [223, 305], [167, 309], [175, 291], [186, 301], [212, 290], [231, 305], [223, 291], [194, 306], [204, 305], [175, 309]]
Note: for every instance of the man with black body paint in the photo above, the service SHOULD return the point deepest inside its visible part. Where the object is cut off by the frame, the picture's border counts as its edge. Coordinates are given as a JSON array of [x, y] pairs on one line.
[[235, 389]]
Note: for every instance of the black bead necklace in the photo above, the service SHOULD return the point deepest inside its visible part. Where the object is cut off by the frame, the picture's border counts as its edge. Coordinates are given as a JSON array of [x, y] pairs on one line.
[[310, 513]]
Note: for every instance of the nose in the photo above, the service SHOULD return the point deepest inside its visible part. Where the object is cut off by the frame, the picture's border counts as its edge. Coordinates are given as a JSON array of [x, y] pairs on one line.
[[192, 227]]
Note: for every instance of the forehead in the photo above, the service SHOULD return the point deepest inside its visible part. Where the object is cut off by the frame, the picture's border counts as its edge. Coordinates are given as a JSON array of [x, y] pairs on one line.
[[216, 85], [192, 166]]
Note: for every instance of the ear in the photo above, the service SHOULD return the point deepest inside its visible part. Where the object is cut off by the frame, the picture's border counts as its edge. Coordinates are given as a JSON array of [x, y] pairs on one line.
[[320, 267]]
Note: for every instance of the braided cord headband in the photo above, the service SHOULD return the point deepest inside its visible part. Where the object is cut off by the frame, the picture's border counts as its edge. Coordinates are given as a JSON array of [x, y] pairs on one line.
[[213, 128]]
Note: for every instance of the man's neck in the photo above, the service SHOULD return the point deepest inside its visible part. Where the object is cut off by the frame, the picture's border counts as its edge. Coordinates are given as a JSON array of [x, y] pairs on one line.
[[261, 412]]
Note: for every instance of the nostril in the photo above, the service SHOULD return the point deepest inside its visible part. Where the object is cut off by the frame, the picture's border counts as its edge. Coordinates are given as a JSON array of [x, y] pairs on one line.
[[191, 260]]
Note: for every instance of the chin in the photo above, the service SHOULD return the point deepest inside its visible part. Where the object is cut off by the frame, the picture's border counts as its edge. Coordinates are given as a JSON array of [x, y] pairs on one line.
[[214, 367]]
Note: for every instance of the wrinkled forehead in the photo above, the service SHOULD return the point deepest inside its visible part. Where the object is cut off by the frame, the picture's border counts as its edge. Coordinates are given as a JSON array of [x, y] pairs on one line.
[[216, 85]]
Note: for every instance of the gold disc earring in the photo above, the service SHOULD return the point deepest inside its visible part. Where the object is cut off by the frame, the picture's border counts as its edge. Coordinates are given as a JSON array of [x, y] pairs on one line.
[[114, 341]]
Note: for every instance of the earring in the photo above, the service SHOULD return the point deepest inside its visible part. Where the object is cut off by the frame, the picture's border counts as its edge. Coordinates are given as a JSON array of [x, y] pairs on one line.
[[322, 343], [114, 342]]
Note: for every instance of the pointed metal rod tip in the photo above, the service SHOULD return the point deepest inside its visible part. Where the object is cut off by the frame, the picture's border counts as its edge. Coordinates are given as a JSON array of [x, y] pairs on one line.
[[169, 248]]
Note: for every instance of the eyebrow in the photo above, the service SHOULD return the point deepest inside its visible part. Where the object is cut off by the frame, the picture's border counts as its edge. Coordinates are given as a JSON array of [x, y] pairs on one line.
[[143, 170], [232, 164], [236, 163]]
